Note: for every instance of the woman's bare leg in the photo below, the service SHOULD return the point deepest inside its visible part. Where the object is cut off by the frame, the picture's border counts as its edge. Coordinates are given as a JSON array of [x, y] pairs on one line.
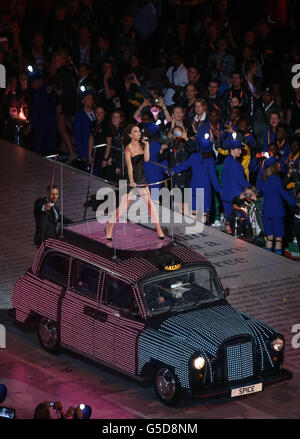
[[145, 194], [124, 203]]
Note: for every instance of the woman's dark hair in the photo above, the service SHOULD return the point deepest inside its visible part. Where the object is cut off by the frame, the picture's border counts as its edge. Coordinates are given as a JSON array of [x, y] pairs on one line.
[[127, 131], [122, 125], [42, 411], [149, 114], [271, 170], [113, 66]]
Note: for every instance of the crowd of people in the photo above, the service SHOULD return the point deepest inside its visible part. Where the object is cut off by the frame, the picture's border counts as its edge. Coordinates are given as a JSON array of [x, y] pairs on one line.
[[46, 409], [209, 82]]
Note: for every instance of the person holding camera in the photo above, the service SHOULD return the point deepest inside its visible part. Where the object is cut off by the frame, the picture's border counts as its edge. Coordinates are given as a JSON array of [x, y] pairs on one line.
[[42, 411], [155, 109]]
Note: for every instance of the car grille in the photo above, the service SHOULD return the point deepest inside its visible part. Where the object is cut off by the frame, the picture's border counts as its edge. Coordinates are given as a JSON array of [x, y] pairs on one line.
[[239, 361]]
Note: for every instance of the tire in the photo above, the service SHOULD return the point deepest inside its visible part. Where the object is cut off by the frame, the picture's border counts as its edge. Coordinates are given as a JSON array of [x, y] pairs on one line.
[[167, 386], [48, 334]]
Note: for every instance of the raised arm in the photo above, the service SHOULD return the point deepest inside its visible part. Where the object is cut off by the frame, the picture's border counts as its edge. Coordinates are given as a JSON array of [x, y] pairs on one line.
[[137, 114], [146, 149]]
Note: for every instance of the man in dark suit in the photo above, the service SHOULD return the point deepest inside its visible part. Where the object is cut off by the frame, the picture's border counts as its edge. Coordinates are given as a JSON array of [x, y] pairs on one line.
[[47, 215]]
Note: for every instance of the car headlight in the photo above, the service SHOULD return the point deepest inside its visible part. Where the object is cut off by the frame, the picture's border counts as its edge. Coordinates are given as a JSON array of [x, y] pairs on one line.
[[277, 344], [199, 363]]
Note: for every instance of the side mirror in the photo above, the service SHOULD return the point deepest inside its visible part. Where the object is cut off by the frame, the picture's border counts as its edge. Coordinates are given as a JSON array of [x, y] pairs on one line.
[[226, 292]]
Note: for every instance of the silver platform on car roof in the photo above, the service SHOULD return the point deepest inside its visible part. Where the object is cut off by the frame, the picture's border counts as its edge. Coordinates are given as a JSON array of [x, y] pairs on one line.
[[126, 236]]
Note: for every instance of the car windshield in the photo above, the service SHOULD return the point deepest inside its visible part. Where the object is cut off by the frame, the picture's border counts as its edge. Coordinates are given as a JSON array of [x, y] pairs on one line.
[[184, 290]]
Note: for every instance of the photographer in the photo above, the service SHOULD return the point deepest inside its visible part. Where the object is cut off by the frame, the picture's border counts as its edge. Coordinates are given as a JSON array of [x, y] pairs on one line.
[[156, 107], [5, 412], [243, 218], [42, 411]]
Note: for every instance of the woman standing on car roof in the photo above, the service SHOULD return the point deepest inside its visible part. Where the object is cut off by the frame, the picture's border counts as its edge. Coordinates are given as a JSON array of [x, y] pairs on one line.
[[136, 153]]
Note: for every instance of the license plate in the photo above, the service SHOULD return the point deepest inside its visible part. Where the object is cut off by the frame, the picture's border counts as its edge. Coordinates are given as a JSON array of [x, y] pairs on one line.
[[242, 391]]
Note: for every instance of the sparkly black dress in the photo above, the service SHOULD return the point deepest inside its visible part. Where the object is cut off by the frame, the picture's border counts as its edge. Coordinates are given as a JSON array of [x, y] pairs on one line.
[[138, 169]]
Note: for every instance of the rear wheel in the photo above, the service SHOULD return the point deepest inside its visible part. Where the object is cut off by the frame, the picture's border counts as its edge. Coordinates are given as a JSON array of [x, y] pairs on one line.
[[167, 386], [48, 334]]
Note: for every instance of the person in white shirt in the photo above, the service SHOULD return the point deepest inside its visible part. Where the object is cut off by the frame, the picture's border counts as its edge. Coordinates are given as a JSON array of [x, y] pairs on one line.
[[176, 78]]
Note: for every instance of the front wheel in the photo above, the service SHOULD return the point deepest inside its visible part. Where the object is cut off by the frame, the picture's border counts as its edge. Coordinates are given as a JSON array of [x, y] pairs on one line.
[[167, 386], [48, 334]]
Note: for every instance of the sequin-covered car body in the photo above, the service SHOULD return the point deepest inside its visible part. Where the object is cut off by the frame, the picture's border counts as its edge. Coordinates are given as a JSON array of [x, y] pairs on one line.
[[159, 314]]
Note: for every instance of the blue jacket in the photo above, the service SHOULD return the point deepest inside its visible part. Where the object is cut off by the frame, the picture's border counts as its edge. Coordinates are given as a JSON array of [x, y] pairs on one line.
[[274, 194], [205, 128], [269, 137], [155, 173], [263, 164], [285, 151], [81, 129], [234, 179], [203, 176]]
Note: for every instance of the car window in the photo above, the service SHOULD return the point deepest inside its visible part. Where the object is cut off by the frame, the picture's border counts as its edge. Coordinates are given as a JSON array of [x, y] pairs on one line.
[[85, 280], [55, 267], [120, 296], [185, 289]]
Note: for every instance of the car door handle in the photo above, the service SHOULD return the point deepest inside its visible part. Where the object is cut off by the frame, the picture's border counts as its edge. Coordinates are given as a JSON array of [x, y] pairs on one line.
[[88, 311]]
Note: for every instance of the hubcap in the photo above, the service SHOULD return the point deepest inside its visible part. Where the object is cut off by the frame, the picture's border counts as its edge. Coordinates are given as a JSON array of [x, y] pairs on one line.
[[48, 333], [165, 384]]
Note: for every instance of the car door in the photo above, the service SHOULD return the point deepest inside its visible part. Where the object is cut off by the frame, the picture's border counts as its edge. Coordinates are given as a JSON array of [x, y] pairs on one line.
[[125, 322], [52, 283], [79, 307]]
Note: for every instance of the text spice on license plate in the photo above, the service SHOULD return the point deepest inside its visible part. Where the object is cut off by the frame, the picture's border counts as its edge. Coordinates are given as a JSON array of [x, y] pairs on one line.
[[241, 391]]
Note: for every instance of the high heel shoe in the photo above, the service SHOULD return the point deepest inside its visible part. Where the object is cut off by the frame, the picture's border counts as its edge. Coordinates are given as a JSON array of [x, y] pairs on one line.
[[161, 237], [109, 238]]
